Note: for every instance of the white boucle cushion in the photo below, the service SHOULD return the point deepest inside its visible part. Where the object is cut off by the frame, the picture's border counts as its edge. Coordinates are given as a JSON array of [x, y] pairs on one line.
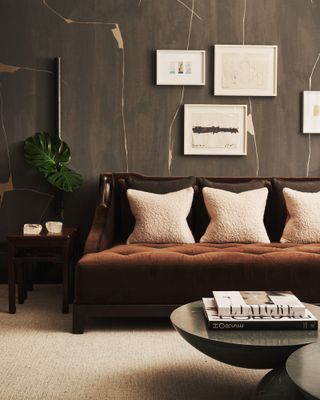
[[161, 218], [303, 221], [235, 217]]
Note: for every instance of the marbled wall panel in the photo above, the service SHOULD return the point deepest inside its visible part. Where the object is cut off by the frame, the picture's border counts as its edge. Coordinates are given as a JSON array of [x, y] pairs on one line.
[[110, 97]]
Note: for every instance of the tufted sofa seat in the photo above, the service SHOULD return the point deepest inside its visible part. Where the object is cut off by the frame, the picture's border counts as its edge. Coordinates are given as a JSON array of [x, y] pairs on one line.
[[176, 274], [118, 279]]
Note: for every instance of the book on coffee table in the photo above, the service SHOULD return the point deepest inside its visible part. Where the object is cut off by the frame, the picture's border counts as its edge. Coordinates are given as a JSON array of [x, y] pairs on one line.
[[245, 322], [258, 303]]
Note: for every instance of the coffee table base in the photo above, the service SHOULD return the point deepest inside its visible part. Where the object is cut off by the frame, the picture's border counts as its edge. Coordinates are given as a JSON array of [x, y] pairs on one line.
[[276, 385]]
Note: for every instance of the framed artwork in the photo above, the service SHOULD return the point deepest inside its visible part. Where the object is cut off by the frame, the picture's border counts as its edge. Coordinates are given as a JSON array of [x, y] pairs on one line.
[[181, 67], [241, 70], [311, 111], [215, 129]]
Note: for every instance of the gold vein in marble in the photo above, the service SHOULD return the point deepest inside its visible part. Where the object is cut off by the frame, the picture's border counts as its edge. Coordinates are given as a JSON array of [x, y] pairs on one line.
[[309, 135], [117, 35], [171, 138], [184, 5], [116, 32], [250, 127], [244, 20], [72, 21], [14, 68], [312, 71], [252, 131], [190, 9], [122, 112]]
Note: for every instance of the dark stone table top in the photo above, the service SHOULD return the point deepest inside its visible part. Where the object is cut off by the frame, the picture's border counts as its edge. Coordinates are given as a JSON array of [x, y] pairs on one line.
[[190, 318], [248, 349], [303, 368]]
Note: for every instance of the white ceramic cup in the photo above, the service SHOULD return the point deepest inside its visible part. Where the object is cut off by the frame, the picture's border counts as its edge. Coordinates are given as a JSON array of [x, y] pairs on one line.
[[54, 226]]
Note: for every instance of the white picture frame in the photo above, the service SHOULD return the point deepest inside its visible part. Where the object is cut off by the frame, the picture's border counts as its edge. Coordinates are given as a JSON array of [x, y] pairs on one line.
[[245, 70], [311, 111], [181, 67], [215, 129]]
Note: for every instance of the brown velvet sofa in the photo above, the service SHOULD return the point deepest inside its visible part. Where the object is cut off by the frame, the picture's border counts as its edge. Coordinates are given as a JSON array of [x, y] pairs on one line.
[[116, 279]]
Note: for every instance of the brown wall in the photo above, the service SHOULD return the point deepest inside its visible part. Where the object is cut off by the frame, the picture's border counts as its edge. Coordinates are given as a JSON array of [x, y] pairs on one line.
[[33, 32]]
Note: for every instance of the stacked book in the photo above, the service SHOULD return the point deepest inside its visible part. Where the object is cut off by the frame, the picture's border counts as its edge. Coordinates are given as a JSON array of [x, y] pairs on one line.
[[250, 310]]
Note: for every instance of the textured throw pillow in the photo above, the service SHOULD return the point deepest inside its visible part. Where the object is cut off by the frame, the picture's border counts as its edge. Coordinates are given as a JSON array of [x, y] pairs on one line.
[[303, 221], [279, 210], [147, 184], [161, 218], [235, 185], [235, 217]]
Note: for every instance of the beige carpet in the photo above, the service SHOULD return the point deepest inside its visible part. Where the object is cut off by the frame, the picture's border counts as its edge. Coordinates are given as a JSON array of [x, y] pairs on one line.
[[122, 360]]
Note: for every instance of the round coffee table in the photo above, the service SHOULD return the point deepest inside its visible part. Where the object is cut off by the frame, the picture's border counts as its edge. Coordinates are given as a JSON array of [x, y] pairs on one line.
[[248, 349], [303, 368]]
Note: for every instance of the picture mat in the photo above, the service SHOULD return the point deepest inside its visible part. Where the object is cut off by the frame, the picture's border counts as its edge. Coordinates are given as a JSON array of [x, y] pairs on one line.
[[245, 70], [228, 122], [311, 111], [193, 67]]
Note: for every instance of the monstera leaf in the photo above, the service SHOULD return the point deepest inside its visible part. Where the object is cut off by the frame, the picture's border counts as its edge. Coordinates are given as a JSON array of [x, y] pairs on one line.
[[65, 179], [49, 154]]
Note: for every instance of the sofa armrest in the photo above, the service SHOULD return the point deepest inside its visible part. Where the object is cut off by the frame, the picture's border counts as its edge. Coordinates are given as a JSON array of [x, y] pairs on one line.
[[101, 234]]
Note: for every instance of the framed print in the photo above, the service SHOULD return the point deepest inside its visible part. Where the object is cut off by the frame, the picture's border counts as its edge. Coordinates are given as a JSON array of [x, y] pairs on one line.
[[181, 67], [215, 129], [311, 111], [241, 70]]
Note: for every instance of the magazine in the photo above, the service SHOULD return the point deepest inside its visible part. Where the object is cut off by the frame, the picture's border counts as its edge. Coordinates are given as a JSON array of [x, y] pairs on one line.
[[259, 303], [242, 322]]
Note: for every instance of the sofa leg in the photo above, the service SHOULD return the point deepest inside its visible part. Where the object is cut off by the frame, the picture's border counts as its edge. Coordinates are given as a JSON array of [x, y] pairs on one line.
[[78, 321]]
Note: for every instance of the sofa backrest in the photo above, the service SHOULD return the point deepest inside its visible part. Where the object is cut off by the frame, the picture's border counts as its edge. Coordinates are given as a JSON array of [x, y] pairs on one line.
[[275, 214]]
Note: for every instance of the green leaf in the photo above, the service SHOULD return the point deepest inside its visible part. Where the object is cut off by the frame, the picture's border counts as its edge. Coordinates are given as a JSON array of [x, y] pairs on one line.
[[65, 179], [49, 154]]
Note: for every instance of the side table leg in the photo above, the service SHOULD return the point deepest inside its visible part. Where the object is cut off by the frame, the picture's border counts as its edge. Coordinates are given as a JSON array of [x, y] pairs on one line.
[[65, 281], [30, 276], [21, 294], [25, 280], [11, 280], [71, 281]]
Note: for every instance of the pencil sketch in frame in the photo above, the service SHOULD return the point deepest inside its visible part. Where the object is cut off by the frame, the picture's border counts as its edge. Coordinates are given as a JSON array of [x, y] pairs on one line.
[[181, 67], [215, 129], [311, 111], [241, 70]]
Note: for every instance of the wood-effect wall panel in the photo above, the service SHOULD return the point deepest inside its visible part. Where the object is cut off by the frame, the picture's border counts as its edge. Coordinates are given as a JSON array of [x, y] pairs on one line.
[[110, 98]]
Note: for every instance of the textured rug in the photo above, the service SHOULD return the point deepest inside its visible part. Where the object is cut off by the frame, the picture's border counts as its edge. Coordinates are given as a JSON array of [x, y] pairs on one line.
[[115, 359]]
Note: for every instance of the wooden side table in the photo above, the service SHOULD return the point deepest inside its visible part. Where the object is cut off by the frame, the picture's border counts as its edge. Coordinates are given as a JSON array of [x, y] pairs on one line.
[[24, 250]]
